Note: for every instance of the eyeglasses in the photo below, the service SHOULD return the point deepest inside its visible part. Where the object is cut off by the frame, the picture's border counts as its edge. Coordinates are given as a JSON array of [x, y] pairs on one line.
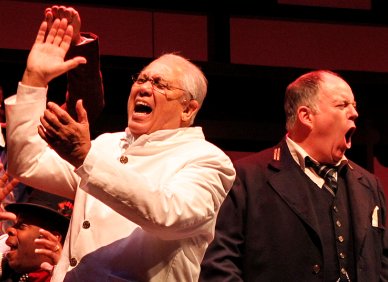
[[158, 84]]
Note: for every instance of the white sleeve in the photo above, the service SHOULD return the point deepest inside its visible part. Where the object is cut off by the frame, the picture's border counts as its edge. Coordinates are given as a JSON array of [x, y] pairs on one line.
[[30, 158]]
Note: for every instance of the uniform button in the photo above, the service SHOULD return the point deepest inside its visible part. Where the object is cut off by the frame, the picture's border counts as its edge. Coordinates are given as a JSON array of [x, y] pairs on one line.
[[123, 159], [316, 268], [338, 223], [335, 208], [342, 255], [73, 262], [86, 224], [340, 238]]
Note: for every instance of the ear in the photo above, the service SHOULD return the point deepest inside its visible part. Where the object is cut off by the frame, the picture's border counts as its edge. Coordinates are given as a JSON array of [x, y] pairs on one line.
[[189, 111], [305, 116]]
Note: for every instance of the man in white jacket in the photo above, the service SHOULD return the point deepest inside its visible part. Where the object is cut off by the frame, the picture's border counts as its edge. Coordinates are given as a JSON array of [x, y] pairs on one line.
[[146, 199]]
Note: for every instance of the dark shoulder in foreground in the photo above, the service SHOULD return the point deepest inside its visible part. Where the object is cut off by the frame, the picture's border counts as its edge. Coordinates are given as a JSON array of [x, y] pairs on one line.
[[256, 159]]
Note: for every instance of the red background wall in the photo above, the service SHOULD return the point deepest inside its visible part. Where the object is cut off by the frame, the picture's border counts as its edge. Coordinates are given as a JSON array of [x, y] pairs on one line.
[[259, 41]]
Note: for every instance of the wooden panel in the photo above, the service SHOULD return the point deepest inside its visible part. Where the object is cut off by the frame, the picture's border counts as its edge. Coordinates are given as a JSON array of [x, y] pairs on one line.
[[19, 23], [308, 45], [354, 4], [186, 34], [122, 32]]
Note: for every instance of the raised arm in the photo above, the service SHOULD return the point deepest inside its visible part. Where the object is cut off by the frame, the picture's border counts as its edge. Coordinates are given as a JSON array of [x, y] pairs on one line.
[[47, 57], [85, 81]]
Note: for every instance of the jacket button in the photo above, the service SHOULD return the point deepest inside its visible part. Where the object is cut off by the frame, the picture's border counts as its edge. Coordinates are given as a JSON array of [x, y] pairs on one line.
[[316, 268], [73, 262], [86, 224], [338, 223], [123, 159]]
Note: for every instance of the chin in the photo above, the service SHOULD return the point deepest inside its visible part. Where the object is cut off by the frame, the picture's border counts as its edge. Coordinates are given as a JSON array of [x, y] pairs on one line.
[[336, 159]]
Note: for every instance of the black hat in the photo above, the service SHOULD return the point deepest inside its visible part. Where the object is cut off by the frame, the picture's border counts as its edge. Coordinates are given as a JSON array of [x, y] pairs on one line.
[[46, 210]]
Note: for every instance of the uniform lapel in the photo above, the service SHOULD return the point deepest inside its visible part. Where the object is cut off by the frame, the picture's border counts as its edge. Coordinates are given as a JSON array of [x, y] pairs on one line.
[[291, 185]]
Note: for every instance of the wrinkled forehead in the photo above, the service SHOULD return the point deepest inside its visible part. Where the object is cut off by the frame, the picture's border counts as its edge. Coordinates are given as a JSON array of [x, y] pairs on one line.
[[164, 67]]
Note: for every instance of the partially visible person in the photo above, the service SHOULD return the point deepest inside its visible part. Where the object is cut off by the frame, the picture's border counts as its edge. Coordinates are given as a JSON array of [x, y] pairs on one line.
[[2, 116], [282, 221], [6, 187], [36, 231], [146, 199], [84, 83], [18, 191]]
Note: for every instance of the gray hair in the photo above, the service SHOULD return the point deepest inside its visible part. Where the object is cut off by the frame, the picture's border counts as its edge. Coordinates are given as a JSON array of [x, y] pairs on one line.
[[193, 79]]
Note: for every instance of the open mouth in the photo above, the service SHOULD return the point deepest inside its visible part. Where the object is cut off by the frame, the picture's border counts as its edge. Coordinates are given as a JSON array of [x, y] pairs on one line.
[[12, 250], [13, 247], [348, 136], [142, 108]]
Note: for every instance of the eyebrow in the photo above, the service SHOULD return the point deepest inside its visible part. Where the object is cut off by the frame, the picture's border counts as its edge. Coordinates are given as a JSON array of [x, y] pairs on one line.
[[18, 223], [157, 77]]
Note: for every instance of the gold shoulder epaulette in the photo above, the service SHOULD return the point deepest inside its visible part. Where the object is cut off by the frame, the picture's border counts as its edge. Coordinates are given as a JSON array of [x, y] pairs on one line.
[[276, 154]]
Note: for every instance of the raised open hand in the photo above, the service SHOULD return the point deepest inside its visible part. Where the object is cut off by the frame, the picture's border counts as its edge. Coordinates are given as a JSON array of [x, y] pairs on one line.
[[46, 59]]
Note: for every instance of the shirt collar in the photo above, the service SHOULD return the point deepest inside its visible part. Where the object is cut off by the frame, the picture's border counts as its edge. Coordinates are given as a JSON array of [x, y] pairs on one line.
[[299, 154]]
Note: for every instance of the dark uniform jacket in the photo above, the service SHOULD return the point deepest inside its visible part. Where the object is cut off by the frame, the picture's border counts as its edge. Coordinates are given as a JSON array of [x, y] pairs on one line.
[[267, 229]]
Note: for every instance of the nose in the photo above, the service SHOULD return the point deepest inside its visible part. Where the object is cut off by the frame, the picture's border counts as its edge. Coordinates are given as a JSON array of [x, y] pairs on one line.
[[146, 89], [148, 84], [353, 114]]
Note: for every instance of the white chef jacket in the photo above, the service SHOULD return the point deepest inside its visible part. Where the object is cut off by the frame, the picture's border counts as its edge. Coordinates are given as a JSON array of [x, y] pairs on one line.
[[148, 219]]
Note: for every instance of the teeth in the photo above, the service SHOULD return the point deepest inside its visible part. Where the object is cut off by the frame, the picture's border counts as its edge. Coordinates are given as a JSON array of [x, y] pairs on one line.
[[141, 107], [140, 103]]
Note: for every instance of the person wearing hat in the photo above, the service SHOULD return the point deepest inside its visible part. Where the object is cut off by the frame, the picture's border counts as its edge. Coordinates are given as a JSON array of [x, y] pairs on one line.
[[35, 236]]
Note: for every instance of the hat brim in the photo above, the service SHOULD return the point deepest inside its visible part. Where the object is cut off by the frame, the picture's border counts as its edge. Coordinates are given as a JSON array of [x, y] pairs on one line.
[[41, 216]]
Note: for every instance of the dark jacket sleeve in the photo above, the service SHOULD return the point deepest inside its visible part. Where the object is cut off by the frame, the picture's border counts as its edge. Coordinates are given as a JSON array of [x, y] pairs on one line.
[[85, 81], [384, 263], [223, 258]]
